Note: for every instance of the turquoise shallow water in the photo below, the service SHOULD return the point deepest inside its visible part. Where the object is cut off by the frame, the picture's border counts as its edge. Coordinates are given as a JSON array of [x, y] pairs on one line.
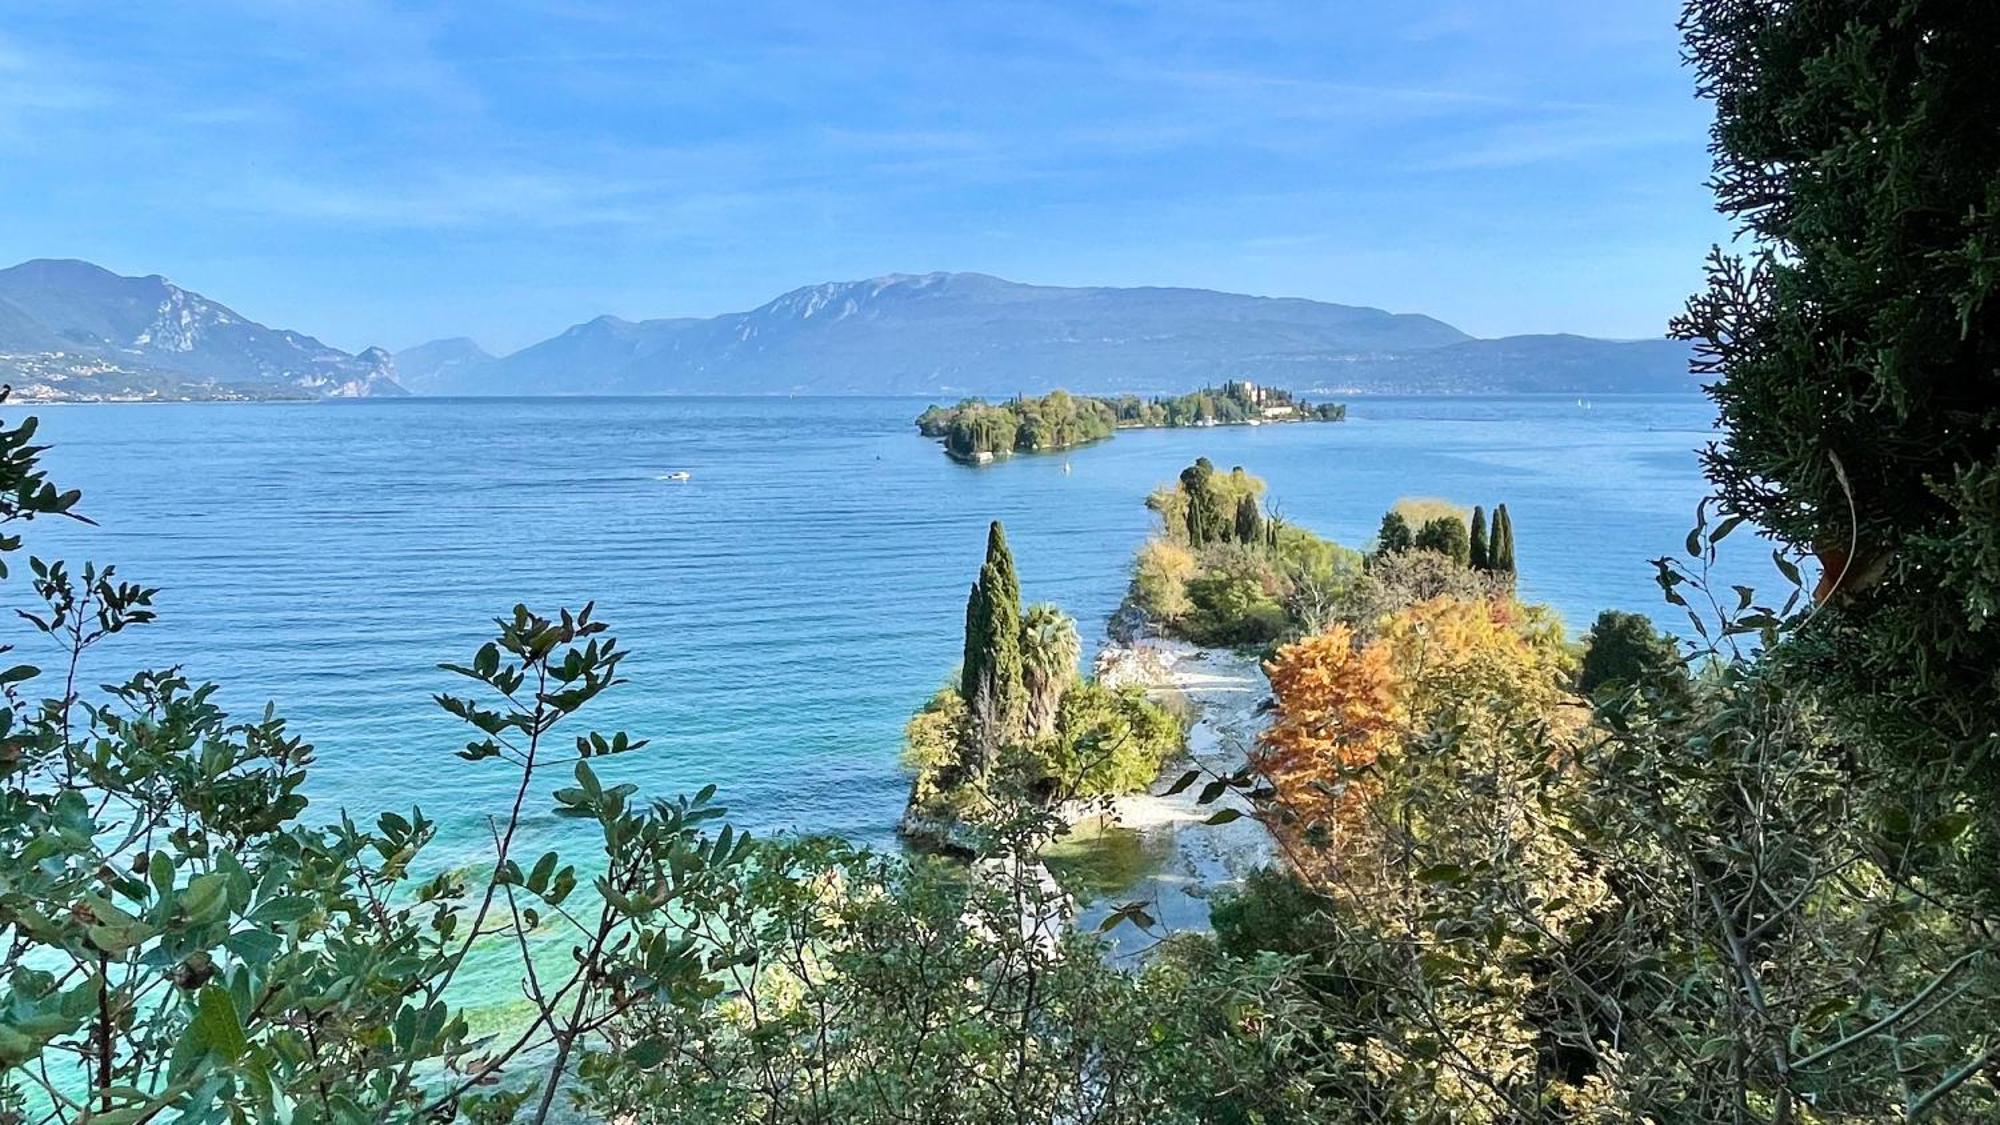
[[788, 606]]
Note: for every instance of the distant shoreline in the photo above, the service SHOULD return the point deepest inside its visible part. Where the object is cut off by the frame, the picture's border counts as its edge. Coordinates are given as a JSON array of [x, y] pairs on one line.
[[765, 396]]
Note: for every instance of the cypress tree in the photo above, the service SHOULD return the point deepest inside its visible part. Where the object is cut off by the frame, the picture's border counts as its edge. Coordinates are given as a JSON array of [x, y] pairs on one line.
[[1194, 486], [1249, 521], [975, 641], [1502, 549], [1002, 560], [992, 680], [1480, 555], [1207, 522]]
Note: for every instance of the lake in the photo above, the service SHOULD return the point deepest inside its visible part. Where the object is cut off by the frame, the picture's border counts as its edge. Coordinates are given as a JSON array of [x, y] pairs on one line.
[[788, 605]]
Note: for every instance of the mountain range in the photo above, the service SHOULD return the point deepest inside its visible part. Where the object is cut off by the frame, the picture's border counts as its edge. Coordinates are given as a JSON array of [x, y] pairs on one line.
[[69, 329], [72, 330]]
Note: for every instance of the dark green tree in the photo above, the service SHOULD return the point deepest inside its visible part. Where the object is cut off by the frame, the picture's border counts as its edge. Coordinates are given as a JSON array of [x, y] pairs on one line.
[[1500, 548], [1207, 521], [992, 679], [1480, 555], [1249, 527], [1394, 536], [1447, 536], [975, 639], [1856, 348], [1625, 648]]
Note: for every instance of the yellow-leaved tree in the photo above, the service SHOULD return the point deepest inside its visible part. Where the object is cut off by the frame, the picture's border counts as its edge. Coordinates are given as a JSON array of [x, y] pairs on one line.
[[1421, 784]]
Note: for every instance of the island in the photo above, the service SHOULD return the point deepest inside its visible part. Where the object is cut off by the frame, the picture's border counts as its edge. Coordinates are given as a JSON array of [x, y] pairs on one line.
[[976, 431]]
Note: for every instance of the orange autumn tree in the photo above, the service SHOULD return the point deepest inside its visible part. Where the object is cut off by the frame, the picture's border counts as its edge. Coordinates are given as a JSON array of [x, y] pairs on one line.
[[1476, 666], [1339, 710]]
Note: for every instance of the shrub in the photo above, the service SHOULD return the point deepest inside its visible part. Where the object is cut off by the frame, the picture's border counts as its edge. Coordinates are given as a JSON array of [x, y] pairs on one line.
[[1272, 911], [1625, 649], [1160, 574], [1109, 741], [1396, 582], [1319, 576], [1234, 600], [1447, 536]]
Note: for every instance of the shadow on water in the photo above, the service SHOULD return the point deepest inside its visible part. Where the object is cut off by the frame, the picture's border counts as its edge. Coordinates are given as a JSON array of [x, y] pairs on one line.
[[1096, 860]]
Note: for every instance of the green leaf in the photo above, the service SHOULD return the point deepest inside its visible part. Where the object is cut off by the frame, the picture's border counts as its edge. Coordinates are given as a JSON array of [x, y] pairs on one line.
[[284, 908], [255, 946], [647, 1053], [215, 1034], [1946, 828], [538, 879], [206, 898], [1224, 816], [1787, 567], [114, 938]]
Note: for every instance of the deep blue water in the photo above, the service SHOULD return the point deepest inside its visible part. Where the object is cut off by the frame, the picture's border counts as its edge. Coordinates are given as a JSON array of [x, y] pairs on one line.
[[789, 605]]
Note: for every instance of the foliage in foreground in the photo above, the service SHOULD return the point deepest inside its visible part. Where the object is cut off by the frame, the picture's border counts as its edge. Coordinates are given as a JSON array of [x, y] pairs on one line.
[[179, 943], [1857, 353]]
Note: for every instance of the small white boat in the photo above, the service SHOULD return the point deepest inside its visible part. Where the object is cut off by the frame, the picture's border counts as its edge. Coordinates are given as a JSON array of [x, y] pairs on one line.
[[678, 475]]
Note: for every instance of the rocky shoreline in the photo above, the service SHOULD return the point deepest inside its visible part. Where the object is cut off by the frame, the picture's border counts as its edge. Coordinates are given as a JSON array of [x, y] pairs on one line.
[[1154, 848], [1227, 689]]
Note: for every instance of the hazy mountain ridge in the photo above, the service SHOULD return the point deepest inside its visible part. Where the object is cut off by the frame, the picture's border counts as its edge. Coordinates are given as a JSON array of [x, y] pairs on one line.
[[958, 333], [428, 365], [70, 329]]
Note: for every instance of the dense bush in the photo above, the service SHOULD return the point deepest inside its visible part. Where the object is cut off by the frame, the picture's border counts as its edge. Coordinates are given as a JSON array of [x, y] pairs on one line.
[[1447, 536], [1625, 649], [1160, 574], [1234, 599], [1109, 741], [1394, 581]]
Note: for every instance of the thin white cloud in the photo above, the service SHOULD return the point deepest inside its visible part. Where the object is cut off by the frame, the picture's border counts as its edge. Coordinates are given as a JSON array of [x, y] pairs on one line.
[[1520, 144]]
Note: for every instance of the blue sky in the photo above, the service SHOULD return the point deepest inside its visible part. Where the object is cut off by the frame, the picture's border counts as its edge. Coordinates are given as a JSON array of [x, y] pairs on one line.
[[381, 173]]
